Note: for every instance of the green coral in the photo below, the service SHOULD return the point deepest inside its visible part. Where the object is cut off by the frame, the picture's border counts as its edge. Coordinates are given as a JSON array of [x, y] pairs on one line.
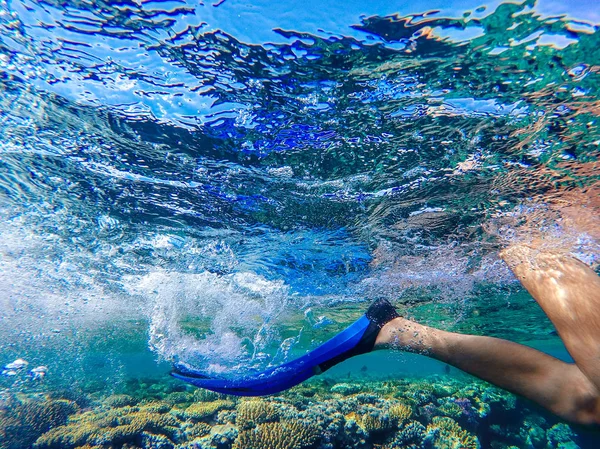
[[153, 441], [278, 435], [254, 412]]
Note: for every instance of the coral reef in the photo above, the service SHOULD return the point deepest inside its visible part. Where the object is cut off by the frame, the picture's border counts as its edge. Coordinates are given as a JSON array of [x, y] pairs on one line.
[[445, 433], [204, 410], [345, 389], [441, 413], [253, 412], [23, 420], [278, 435], [115, 426], [410, 436], [119, 400], [400, 412], [561, 436], [376, 422]]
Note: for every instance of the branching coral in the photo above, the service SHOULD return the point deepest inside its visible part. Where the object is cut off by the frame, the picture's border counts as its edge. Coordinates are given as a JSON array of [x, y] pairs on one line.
[[119, 400], [204, 410], [278, 435], [156, 407], [179, 397], [345, 389], [116, 426], [409, 437], [202, 395], [451, 409], [376, 423], [23, 421], [445, 433], [152, 441], [196, 430], [400, 413], [254, 412]]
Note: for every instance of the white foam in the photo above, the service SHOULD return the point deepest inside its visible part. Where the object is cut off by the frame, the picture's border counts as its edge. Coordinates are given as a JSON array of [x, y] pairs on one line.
[[238, 312]]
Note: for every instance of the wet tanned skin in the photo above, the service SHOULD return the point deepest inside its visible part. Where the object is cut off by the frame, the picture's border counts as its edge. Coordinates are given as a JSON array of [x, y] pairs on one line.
[[569, 293]]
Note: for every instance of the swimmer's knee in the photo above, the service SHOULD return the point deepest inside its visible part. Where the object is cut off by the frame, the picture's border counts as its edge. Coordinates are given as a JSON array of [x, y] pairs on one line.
[[582, 405], [589, 409]]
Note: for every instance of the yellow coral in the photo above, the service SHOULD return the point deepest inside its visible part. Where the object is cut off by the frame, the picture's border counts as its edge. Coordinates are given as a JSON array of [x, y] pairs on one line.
[[451, 409], [400, 413], [203, 410], [447, 434], [115, 426], [278, 435], [66, 436], [23, 420], [374, 423], [199, 429], [202, 395], [119, 400], [253, 412], [156, 407]]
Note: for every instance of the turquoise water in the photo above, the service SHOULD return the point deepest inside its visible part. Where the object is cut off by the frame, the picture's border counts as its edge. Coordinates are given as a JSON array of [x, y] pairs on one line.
[[229, 183]]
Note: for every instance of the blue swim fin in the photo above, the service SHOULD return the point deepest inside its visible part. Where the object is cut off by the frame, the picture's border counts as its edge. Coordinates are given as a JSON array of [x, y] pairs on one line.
[[358, 338]]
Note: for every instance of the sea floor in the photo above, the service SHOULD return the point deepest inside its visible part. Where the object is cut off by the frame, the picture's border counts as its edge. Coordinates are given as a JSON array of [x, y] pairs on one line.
[[439, 411]]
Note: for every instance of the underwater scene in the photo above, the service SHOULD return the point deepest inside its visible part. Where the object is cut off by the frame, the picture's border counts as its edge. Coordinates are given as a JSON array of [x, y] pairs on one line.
[[225, 185]]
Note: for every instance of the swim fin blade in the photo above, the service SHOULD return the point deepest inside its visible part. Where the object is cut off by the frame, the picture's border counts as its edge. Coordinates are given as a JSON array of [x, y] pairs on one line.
[[356, 339]]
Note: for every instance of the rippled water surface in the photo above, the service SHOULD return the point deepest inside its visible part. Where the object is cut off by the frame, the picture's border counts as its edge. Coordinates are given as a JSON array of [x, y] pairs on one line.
[[229, 183]]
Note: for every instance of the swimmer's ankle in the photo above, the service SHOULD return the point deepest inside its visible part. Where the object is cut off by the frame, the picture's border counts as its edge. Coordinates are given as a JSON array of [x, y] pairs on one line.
[[396, 334]]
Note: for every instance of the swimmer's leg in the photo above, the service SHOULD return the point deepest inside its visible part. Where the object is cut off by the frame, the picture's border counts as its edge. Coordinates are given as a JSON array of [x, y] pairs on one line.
[[569, 292], [559, 387], [555, 385]]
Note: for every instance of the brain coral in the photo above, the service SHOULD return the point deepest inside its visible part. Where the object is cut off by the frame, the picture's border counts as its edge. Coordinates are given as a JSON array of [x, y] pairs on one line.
[[254, 412], [278, 435], [445, 433]]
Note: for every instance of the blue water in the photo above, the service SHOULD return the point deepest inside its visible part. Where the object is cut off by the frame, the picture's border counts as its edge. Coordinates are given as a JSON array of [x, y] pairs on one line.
[[230, 183]]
